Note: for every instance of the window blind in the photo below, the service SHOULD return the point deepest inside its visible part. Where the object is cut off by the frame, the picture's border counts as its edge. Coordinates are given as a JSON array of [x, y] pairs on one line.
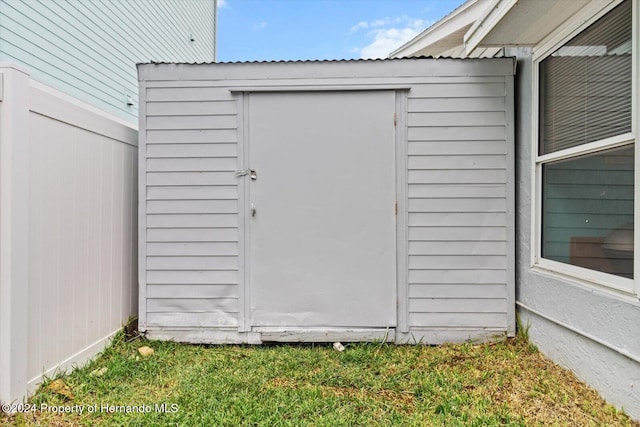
[[585, 85]]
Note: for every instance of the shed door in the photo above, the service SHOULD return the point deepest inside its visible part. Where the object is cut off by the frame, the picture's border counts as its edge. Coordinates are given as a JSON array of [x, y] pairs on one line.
[[322, 241]]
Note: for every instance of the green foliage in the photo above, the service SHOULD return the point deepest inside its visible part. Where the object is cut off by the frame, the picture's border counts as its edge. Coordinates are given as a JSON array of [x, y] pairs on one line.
[[522, 333]]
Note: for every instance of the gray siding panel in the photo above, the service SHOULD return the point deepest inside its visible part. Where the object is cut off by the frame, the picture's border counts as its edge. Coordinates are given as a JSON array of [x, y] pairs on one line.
[[473, 191], [478, 118], [195, 305], [192, 248], [203, 192], [452, 234], [191, 208], [457, 276], [447, 219], [200, 263], [457, 305], [188, 94], [190, 108], [457, 262], [454, 133], [497, 321], [440, 105], [187, 136], [160, 151], [457, 205], [191, 178], [191, 122], [459, 90], [448, 247], [452, 148], [480, 204], [456, 162], [191, 164], [461, 176], [224, 234], [192, 320], [460, 291], [212, 277], [194, 291], [192, 220]]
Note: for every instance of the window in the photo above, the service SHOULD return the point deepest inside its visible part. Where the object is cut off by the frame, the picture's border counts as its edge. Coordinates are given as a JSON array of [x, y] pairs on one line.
[[585, 165]]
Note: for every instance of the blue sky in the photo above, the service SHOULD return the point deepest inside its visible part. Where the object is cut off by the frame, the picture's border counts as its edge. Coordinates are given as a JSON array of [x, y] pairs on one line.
[[264, 30]]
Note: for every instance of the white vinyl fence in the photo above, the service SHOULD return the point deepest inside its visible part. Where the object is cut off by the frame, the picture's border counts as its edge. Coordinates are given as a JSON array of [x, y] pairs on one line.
[[68, 224]]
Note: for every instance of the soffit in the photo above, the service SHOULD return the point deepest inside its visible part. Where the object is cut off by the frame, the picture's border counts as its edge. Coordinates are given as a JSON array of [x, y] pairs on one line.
[[524, 22]]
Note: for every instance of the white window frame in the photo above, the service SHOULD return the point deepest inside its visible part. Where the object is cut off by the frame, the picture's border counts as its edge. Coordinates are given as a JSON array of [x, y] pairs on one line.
[[591, 278]]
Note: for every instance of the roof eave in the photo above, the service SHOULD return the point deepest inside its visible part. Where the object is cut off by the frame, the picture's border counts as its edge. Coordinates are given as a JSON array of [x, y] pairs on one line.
[[481, 28], [464, 15]]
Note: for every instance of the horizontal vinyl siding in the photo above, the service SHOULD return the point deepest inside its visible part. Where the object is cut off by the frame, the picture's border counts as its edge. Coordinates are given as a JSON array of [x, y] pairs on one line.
[[89, 48], [191, 320], [191, 209], [457, 206]]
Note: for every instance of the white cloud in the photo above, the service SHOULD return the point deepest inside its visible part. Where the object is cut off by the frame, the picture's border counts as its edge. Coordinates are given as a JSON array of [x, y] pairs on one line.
[[386, 39], [222, 4], [380, 22], [359, 26], [261, 26], [363, 25]]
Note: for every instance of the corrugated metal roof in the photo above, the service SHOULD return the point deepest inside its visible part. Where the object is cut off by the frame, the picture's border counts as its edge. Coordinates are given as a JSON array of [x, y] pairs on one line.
[[298, 61]]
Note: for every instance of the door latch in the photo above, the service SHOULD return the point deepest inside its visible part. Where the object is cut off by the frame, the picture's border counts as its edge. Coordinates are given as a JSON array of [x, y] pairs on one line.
[[252, 173]]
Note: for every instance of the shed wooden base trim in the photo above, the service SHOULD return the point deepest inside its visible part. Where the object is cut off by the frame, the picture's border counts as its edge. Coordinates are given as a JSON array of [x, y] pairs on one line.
[[326, 335], [449, 335], [205, 336], [279, 334]]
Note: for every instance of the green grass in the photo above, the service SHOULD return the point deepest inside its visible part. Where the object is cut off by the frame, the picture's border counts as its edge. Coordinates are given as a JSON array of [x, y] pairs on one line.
[[506, 383]]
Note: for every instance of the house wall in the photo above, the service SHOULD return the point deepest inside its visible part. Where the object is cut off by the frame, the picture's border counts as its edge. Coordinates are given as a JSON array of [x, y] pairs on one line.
[[68, 204], [455, 193], [591, 332], [88, 49]]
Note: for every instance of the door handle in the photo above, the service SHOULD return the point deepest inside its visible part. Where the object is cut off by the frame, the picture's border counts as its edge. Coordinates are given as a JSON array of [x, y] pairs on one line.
[[251, 172], [253, 210]]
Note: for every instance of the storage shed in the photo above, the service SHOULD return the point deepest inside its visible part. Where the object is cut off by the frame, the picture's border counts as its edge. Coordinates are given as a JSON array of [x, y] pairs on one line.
[[327, 200]]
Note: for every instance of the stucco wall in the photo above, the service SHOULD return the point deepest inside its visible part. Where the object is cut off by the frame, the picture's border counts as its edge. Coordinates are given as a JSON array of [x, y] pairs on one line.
[[602, 342]]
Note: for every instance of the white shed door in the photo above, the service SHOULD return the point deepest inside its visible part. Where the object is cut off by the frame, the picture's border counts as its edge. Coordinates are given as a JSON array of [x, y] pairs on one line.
[[322, 239]]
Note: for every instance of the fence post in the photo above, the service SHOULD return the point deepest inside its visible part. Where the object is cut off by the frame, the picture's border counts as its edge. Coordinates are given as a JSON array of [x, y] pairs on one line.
[[14, 231]]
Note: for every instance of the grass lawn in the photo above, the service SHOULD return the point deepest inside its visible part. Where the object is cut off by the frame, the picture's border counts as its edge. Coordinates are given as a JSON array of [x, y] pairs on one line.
[[507, 383]]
